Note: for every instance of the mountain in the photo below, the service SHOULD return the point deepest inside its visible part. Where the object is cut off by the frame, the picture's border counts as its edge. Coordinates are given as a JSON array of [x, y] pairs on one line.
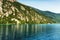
[[13, 12], [52, 15], [57, 18]]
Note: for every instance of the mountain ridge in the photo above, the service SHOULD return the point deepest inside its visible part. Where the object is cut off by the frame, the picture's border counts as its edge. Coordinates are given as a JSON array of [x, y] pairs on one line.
[[15, 12], [54, 16]]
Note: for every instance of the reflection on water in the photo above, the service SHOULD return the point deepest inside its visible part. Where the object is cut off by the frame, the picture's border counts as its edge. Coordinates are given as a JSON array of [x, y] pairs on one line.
[[30, 32]]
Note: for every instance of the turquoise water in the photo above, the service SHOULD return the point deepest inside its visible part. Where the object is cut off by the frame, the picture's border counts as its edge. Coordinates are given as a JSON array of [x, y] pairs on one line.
[[30, 32]]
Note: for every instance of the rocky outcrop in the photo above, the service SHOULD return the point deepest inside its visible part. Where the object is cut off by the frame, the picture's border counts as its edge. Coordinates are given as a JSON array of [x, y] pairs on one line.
[[13, 12]]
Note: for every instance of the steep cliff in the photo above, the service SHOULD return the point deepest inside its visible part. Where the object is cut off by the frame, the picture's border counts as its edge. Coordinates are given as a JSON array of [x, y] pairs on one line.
[[13, 12]]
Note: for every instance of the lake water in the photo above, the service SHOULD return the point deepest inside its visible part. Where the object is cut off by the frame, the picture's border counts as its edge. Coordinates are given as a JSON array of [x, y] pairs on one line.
[[30, 32]]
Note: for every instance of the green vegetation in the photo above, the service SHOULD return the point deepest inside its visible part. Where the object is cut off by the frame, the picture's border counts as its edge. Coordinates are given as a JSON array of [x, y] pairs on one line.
[[15, 12]]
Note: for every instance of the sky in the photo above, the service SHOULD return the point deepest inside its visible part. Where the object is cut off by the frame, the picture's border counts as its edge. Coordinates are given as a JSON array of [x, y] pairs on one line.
[[45, 5]]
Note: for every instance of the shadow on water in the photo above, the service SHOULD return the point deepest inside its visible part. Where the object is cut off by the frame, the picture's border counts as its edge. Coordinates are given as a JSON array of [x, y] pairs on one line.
[[27, 31]]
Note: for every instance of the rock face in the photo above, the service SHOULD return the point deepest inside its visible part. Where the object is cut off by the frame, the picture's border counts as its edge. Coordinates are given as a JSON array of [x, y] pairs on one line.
[[13, 12]]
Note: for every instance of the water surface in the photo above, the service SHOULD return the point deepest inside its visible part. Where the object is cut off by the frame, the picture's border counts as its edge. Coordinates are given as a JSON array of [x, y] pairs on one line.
[[30, 32]]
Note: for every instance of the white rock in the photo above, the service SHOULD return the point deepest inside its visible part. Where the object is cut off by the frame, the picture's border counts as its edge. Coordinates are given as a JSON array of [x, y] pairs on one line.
[[22, 8]]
